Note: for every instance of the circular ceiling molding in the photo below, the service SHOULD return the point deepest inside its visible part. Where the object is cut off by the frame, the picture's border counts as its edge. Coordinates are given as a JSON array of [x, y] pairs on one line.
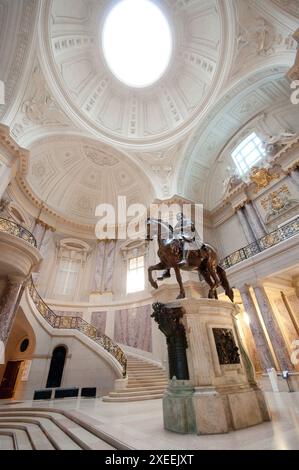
[[72, 176], [137, 43], [80, 79]]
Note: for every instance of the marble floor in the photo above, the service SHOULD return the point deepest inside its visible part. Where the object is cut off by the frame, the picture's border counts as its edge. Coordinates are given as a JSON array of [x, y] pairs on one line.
[[139, 424]]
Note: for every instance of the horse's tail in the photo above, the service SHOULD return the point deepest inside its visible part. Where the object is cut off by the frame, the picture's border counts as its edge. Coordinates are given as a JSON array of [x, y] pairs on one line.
[[224, 282]]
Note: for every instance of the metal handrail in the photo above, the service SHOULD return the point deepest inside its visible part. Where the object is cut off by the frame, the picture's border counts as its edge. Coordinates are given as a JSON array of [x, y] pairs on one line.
[[18, 230], [267, 241], [77, 323]]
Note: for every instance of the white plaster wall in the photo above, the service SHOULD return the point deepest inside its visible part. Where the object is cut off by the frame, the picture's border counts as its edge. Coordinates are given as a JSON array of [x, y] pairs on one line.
[[230, 236], [84, 367]]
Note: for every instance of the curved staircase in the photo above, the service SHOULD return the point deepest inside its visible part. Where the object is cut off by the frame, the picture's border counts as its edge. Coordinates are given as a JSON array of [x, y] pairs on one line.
[[146, 381]]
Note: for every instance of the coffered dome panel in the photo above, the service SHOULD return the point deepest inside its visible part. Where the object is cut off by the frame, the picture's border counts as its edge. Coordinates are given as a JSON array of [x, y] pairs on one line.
[[74, 60], [72, 176]]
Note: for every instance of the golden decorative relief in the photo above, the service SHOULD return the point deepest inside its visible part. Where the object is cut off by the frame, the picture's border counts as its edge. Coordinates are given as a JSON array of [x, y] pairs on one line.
[[262, 177], [278, 201]]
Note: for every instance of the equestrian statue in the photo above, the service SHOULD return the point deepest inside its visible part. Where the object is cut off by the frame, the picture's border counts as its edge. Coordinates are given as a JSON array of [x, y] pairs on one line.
[[181, 248]]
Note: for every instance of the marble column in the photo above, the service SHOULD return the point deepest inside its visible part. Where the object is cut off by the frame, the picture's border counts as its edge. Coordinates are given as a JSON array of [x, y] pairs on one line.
[[249, 234], [109, 265], [99, 269], [295, 176], [259, 338], [5, 177], [295, 281], [8, 308], [293, 317], [110, 322], [254, 221], [273, 329]]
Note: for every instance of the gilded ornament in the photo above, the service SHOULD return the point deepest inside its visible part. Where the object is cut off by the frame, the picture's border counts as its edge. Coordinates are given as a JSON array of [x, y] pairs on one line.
[[262, 177]]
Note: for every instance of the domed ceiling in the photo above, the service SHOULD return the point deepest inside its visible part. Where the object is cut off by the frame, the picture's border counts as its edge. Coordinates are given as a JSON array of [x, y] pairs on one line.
[[92, 138], [71, 40], [73, 175]]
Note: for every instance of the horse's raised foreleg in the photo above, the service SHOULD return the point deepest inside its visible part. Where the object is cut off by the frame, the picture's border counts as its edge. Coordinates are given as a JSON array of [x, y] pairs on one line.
[[180, 282], [156, 267]]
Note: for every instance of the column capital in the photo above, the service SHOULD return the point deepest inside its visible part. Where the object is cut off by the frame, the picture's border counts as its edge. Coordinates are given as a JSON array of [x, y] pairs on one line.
[[257, 283]]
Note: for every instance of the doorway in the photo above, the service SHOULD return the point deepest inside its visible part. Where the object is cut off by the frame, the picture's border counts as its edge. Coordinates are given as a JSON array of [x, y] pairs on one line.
[[56, 367], [9, 379]]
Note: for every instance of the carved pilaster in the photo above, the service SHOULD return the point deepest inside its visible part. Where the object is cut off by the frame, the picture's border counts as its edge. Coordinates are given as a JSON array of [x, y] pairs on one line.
[[109, 258], [260, 341], [273, 329], [9, 305], [295, 176], [254, 221], [249, 234], [99, 267]]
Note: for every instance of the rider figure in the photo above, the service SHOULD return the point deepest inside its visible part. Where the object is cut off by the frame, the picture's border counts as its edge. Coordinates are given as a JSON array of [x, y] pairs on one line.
[[185, 231]]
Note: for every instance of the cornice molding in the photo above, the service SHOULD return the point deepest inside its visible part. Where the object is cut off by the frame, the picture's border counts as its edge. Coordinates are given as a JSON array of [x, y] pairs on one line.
[[15, 153]]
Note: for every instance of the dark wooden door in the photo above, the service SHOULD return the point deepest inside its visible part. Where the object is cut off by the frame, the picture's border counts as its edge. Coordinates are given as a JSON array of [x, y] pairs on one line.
[[9, 379], [56, 367]]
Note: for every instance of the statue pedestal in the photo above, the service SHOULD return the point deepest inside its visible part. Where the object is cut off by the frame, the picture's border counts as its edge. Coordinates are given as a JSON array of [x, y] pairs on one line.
[[216, 391]]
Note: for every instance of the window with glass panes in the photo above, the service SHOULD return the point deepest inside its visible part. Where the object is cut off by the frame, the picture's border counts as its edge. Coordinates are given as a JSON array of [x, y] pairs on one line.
[[248, 153], [135, 275], [67, 276]]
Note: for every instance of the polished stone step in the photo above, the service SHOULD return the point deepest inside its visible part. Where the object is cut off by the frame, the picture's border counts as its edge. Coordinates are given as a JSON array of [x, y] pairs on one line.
[[48, 430], [146, 373], [48, 425], [7, 440], [126, 393], [146, 381], [20, 436], [36, 433], [135, 388], [120, 399]]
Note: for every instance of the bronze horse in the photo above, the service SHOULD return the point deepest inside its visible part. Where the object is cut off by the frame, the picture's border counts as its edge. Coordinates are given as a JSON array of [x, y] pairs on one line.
[[203, 260]]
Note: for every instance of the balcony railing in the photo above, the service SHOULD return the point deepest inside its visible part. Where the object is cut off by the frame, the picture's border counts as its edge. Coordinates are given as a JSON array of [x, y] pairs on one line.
[[271, 239], [77, 323], [17, 230]]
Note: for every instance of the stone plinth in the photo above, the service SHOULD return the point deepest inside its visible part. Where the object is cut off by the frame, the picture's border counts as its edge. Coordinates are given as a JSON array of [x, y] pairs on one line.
[[225, 396], [169, 290]]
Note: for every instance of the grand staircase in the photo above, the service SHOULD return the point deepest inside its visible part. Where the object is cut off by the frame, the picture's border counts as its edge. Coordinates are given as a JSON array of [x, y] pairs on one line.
[[146, 381]]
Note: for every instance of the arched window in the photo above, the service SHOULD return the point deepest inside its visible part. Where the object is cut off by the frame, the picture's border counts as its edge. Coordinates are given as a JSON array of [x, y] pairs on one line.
[[56, 367], [135, 275], [249, 152], [72, 256]]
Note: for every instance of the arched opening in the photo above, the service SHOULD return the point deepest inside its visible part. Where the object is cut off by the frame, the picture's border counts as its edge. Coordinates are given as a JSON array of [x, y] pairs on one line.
[[19, 351], [56, 367]]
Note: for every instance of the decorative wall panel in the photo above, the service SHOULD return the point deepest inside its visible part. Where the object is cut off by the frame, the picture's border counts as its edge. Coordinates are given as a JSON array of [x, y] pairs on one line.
[[133, 327]]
